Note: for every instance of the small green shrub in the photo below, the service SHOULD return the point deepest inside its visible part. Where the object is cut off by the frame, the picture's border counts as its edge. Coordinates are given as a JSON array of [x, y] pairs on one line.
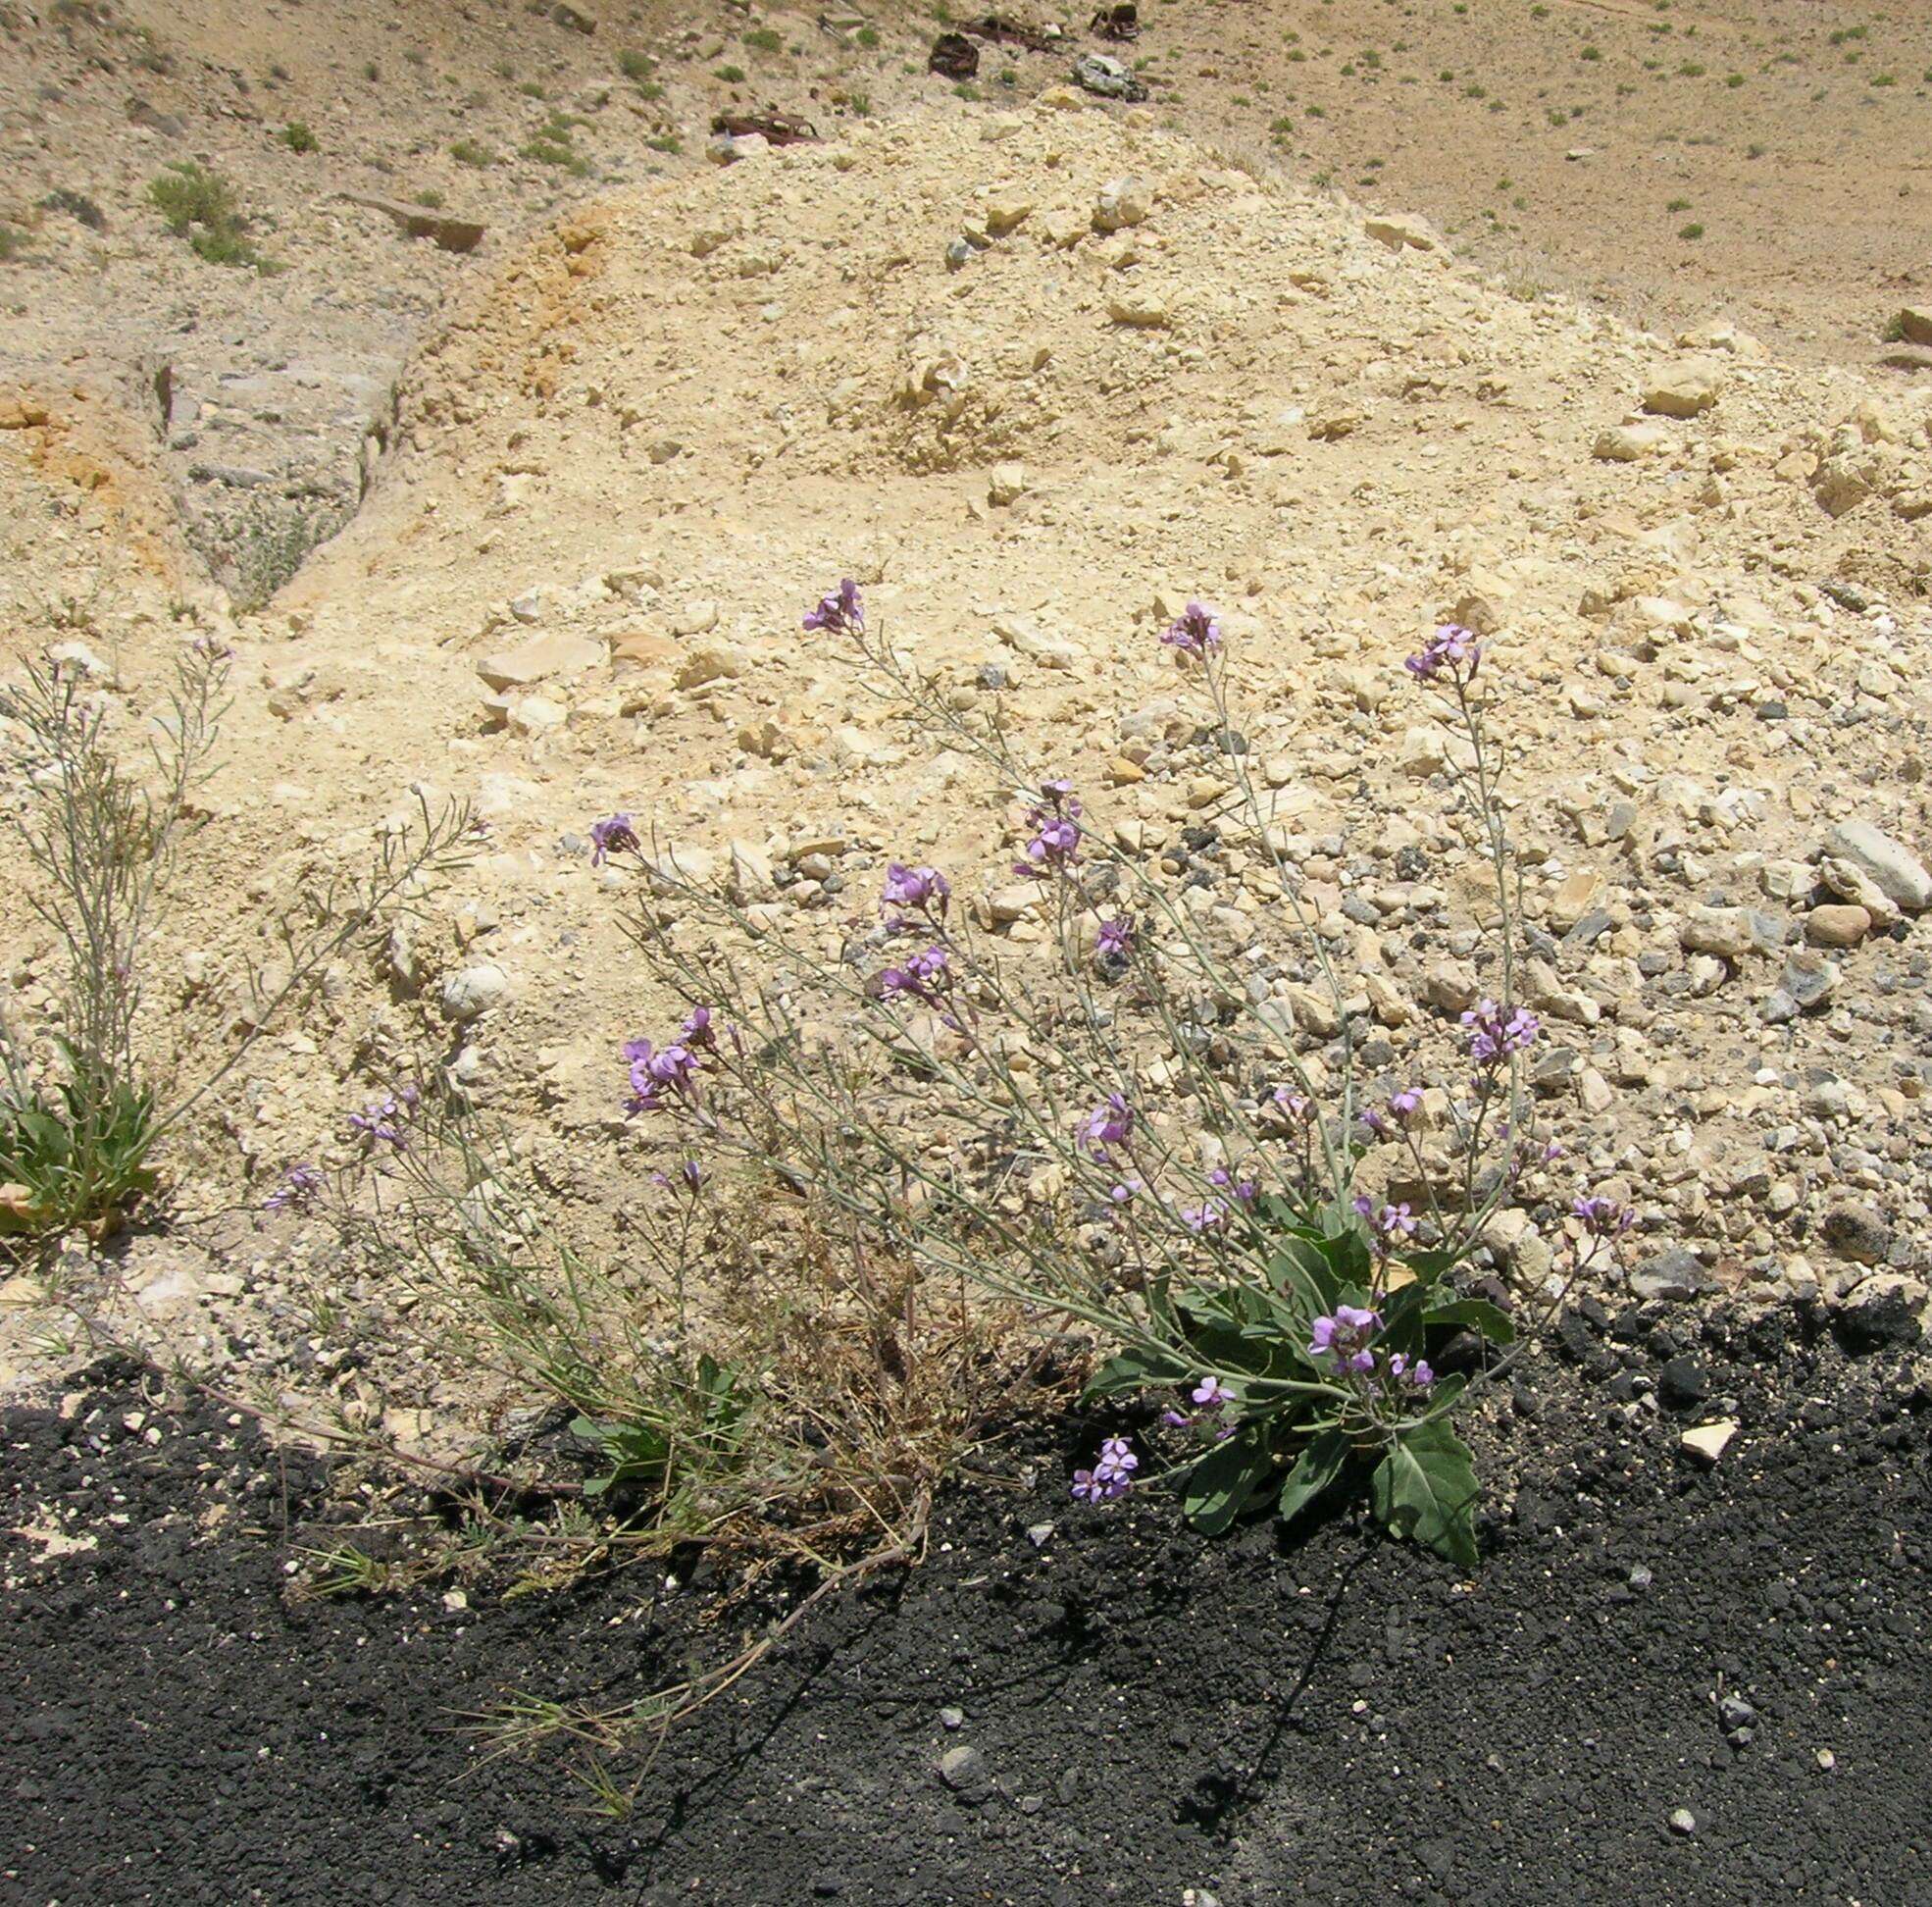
[[200, 206], [1678, 205], [731, 75], [765, 40], [635, 66], [431, 200], [297, 137], [1692, 230], [12, 244], [665, 142], [551, 152], [471, 152]]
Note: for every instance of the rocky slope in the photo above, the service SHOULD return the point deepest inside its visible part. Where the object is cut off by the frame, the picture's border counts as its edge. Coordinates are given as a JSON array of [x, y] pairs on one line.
[[1083, 370]]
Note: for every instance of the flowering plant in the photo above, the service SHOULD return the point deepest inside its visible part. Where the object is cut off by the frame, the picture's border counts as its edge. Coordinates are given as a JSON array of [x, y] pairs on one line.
[[1124, 1133]]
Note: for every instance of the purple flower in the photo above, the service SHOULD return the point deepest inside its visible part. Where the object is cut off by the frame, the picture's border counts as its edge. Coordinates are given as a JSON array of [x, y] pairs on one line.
[[925, 889], [1211, 1393], [1055, 842], [922, 977], [697, 1032], [613, 835], [1343, 1338], [690, 1175], [1204, 1218], [1451, 647], [1290, 1104], [838, 613], [1126, 1192], [1056, 846], [1194, 631], [1175, 1419], [1116, 937], [656, 1071], [1604, 1217], [1112, 1473], [1401, 1108], [1109, 1124], [1242, 1191], [1491, 1037], [382, 1121], [300, 1184]]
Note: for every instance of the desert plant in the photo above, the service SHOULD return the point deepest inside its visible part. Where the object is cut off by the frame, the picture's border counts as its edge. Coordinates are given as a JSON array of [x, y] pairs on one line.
[[201, 207], [79, 1126], [77, 205], [74, 1143], [471, 152], [297, 137], [1130, 1141]]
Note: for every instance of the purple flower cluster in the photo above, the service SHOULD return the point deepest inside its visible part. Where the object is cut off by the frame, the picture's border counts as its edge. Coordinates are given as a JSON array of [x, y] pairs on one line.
[[1392, 1118], [614, 834], [1055, 821], [918, 890], [1388, 1226], [384, 1121], [1290, 1104], [1202, 1218], [1345, 1339], [1112, 1473], [1194, 631], [923, 977], [1451, 647], [1109, 1124], [1491, 1037], [1116, 939], [838, 612], [1242, 1190], [1604, 1217], [1210, 1394], [671, 1069], [298, 1189]]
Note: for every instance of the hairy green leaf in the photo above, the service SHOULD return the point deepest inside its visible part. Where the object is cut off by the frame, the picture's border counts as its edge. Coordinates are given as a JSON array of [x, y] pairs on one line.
[[1314, 1470], [1219, 1487], [1425, 1489]]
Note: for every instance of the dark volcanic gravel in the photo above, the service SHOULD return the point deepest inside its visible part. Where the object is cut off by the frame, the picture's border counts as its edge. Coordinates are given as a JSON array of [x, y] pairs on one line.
[[1669, 1683]]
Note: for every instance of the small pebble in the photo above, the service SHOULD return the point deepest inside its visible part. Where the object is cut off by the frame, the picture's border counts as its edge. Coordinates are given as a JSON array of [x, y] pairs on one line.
[[1683, 1822]]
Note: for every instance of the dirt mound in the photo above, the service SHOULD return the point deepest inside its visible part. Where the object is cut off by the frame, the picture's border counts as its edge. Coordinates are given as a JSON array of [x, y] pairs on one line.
[[1081, 369]]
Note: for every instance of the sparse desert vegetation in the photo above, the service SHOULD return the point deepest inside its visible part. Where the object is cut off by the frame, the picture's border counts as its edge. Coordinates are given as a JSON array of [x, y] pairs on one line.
[[1000, 924]]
